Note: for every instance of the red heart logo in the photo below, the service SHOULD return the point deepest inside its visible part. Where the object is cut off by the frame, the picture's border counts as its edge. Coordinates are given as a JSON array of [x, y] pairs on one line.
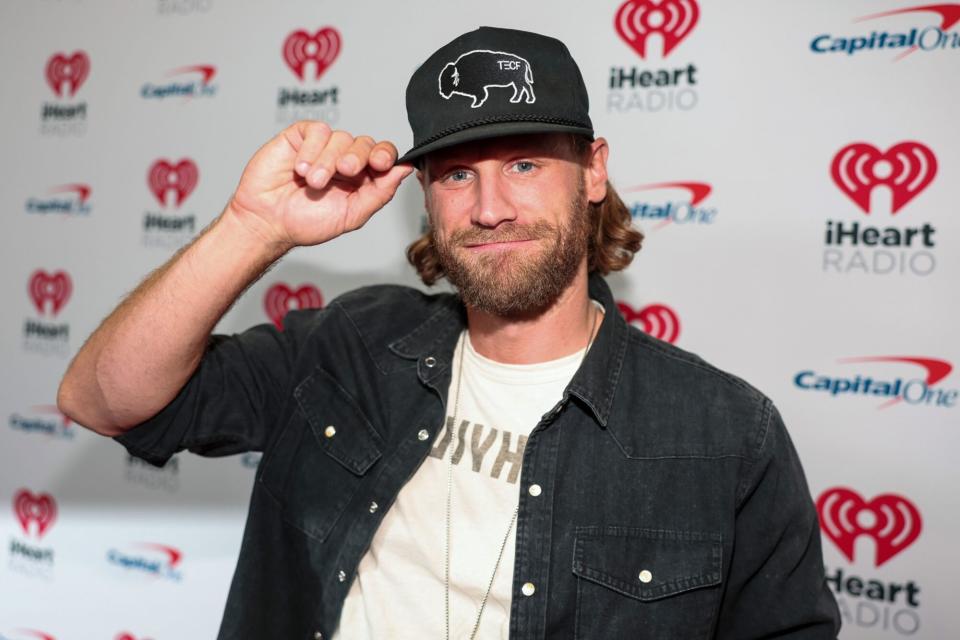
[[180, 178], [891, 520], [673, 20], [72, 71], [322, 48], [52, 288], [39, 508], [280, 299], [906, 168], [657, 320]]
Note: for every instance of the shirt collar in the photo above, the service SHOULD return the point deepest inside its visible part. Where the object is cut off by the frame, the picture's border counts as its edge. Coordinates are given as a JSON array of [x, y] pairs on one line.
[[432, 344]]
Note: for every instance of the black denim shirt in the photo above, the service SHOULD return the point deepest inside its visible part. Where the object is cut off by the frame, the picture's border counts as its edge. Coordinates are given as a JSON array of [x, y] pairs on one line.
[[673, 504]]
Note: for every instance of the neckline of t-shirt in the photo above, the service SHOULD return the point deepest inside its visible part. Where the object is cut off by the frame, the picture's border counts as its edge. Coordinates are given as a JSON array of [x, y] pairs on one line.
[[561, 368]]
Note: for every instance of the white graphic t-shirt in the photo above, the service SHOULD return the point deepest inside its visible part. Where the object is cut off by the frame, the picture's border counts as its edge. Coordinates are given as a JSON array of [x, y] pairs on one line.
[[398, 591]]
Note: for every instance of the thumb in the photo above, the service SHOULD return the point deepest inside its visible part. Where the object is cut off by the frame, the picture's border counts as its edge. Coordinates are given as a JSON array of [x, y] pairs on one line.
[[372, 197]]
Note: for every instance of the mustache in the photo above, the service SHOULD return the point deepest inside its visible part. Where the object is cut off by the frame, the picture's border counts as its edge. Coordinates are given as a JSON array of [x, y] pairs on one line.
[[505, 232]]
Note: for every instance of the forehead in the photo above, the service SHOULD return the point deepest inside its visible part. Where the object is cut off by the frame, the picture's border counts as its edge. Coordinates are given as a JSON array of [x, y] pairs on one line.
[[542, 144]]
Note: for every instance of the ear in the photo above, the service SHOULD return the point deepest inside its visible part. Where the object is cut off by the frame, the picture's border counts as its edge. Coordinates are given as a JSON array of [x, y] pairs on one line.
[[595, 171]]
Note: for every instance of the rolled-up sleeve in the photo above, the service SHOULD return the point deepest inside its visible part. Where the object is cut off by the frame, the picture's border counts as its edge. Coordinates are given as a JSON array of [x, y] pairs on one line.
[[231, 402], [776, 586]]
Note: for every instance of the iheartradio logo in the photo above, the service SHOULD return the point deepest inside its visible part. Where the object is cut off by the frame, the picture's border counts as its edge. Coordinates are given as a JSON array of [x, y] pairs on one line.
[[39, 509], [672, 20], [49, 290], [321, 48], [126, 635], [280, 299], [906, 168], [165, 177], [72, 72], [657, 320], [891, 520]]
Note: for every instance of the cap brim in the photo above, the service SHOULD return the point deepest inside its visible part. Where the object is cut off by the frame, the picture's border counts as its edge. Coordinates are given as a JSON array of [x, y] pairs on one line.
[[493, 130]]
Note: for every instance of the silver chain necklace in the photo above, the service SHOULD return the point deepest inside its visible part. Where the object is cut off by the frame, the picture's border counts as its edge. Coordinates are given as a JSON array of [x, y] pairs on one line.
[[513, 518]]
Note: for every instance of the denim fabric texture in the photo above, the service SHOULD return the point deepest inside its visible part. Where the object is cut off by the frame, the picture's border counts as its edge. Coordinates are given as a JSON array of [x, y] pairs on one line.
[[672, 503]]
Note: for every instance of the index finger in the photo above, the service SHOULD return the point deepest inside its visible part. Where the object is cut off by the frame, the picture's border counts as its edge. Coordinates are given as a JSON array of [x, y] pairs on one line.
[[383, 156]]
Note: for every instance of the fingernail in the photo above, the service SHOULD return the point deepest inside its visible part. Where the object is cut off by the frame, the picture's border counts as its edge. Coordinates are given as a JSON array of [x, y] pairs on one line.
[[302, 168], [349, 163], [382, 156], [319, 176]]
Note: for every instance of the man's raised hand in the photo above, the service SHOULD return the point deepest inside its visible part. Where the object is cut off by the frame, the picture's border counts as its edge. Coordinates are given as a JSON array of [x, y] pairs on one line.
[[310, 184]]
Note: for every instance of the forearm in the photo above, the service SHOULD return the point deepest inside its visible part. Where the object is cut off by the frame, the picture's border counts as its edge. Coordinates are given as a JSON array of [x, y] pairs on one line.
[[146, 349]]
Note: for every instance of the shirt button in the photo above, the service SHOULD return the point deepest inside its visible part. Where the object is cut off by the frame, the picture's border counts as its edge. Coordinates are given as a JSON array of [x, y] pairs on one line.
[[645, 576], [535, 490], [341, 576], [330, 431], [373, 507], [422, 435], [528, 589], [317, 635], [430, 361]]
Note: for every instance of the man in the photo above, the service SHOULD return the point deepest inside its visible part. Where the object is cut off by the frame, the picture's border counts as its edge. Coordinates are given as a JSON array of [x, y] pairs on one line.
[[513, 460]]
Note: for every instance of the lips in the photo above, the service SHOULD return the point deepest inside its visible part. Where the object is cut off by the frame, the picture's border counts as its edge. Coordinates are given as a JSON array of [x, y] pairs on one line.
[[497, 244]]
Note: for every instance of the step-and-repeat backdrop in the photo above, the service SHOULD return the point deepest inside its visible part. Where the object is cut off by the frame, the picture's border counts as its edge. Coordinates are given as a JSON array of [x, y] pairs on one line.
[[795, 166]]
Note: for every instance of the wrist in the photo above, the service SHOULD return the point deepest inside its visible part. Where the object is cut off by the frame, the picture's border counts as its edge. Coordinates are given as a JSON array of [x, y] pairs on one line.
[[253, 233]]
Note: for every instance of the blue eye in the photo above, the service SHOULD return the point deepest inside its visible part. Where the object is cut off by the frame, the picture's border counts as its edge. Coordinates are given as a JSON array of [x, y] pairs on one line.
[[457, 175], [524, 166]]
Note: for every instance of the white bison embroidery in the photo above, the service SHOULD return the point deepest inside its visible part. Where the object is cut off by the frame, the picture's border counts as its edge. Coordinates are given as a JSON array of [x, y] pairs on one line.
[[474, 72]]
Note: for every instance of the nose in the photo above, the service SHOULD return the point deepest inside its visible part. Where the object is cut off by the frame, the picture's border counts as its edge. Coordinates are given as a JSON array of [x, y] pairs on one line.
[[494, 204]]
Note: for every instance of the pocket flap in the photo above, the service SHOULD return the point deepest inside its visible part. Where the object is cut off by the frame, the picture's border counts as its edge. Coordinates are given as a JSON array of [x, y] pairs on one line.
[[647, 564], [339, 426]]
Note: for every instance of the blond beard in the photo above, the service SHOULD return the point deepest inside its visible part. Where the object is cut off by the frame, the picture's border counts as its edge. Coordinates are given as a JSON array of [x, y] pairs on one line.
[[509, 283]]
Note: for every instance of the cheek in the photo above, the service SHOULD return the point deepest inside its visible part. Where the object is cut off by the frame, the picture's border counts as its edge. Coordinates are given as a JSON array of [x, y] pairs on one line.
[[449, 210]]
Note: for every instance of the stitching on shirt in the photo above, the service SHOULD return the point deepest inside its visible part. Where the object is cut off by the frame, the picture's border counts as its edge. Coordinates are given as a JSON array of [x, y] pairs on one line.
[[670, 352], [584, 393], [765, 412], [402, 345], [356, 329]]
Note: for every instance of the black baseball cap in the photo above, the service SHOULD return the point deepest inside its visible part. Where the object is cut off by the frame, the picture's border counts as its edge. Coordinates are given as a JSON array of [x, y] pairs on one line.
[[494, 82]]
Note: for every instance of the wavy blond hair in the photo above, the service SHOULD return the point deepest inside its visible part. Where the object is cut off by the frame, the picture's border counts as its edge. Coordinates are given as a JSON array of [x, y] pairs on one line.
[[613, 239]]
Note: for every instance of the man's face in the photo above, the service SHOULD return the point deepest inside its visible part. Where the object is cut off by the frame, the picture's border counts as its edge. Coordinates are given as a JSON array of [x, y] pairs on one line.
[[509, 220]]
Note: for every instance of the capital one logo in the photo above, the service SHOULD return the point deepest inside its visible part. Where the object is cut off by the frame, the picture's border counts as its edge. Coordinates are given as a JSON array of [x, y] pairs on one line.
[[671, 20], [657, 320], [280, 299], [684, 211], [49, 291], [906, 169], [34, 634], [164, 177], [34, 511], [206, 72], [892, 521], [321, 48], [82, 190], [69, 72], [949, 16]]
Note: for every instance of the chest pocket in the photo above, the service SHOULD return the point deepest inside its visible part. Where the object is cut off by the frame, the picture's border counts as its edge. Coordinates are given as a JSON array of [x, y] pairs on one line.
[[646, 583], [318, 464]]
